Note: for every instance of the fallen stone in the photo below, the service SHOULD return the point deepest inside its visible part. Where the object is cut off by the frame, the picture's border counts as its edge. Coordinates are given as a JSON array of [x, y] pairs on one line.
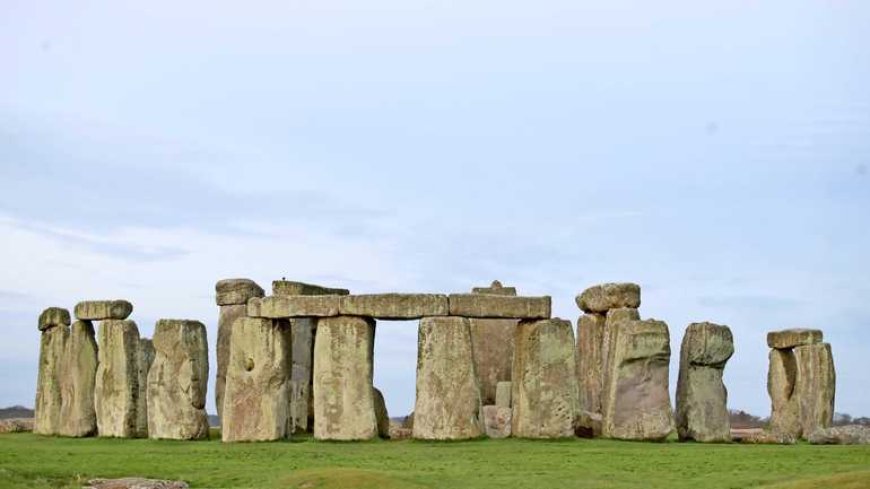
[[499, 306], [116, 392], [344, 407], [503, 394], [448, 396], [16, 425], [53, 316], [285, 307], [236, 291], [841, 435], [493, 342], [287, 287], [394, 306], [604, 297], [102, 310], [816, 381], [77, 382], [791, 338], [177, 381], [702, 399], [256, 396], [497, 421], [146, 359], [49, 396], [135, 483], [764, 437], [590, 363], [381, 414], [227, 317], [544, 384], [495, 289]]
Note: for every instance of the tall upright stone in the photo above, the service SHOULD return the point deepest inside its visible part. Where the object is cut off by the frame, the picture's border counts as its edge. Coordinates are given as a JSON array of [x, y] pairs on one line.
[[54, 328], [448, 403], [257, 396], [144, 362], [232, 296], [116, 392], [590, 362], [702, 399], [493, 341], [78, 378], [177, 381], [344, 407], [544, 385]]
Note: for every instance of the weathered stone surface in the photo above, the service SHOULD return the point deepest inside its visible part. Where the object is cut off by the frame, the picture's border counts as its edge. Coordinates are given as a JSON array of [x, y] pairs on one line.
[[285, 307], [287, 287], [301, 409], [448, 396], [816, 383], [236, 291], [590, 363], [612, 322], [781, 386], [135, 483], [604, 297], [257, 393], [102, 310], [636, 399], [495, 289], [394, 306], [544, 385], [53, 316], [497, 421], [344, 407], [493, 342], [588, 424], [503, 393], [145, 360], [790, 338], [764, 437], [841, 435], [77, 380], [177, 381], [227, 318], [499, 306], [702, 399], [116, 392], [16, 425], [49, 397], [381, 414]]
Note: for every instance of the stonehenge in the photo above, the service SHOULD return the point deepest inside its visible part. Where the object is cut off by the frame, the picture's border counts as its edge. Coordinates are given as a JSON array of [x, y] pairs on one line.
[[116, 391], [702, 399], [77, 414], [144, 361], [54, 328], [493, 341]]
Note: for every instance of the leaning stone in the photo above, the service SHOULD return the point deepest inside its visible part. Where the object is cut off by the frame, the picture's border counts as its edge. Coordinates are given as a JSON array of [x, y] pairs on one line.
[[226, 319], [344, 407], [177, 381], [257, 397], [816, 381], [381, 414], [493, 342], [448, 396], [497, 421], [503, 394], [602, 298], [78, 418], [590, 363], [53, 316], [499, 306], [287, 287], [236, 291], [281, 307], [791, 338], [495, 289], [394, 306], [146, 359], [116, 392], [301, 372], [49, 395], [841, 435], [102, 310], [544, 381], [135, 483], [702, 399]]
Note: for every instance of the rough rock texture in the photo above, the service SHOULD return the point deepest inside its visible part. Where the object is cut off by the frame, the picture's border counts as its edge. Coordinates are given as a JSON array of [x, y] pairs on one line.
[[278, 307], [177, 381], [612, 322], [16, 425], [588, 424], [77, 380], [841, 435], [544, 385], [236, 291], [636, 402], [493, 342], [448, 396], [764, 437], [801, 383], [702, 399], [381, 414], [604, 297], [499, 306], [394, 306], [503, 394], [228, 316], [497, 421], [344, 407], [116, 392], [102, 310], [301, 374], [52, 353], [287, 287], [496, 288], [791, 338], [781, 386], [590, 363], [135, 483], [53, 316], [257, 394], [146, 358]]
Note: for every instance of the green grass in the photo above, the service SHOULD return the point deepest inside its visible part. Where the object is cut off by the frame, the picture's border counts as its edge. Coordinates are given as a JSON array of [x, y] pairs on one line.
[[32, 461]]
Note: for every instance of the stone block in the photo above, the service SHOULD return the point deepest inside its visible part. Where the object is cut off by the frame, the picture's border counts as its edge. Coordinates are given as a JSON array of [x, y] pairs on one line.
[[102, 310], [49, 397], [816, 383], [497, 421], [77, 415], [503, 394], [394, 306], [287, 287], [53, 316], [702, 399], [116, 392], [145, 360], [590, 362], [790, 338], [604, 297], [226, 319], [236, 291], [499, 306], [285, 307]]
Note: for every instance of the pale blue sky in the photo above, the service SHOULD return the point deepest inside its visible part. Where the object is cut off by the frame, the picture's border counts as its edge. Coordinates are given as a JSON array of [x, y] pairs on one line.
[[717, 153]]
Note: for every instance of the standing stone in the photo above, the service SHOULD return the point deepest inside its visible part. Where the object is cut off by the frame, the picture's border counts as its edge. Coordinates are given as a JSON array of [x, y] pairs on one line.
[[177, 381], [257, 396], [503, 394], [381, 414], [816, 381], [301, 373], [613, 320], [493, 341], [146, 358], [78, 418], [344, 407], [54, 325], [782, 387], [232, 296], [637, 405], [544, 381], [590, 363], [116, 392], [448, 405], [702, 399]]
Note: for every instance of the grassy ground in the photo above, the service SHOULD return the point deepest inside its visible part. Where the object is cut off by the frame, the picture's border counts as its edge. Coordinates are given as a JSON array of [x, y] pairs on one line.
[[31, 461]]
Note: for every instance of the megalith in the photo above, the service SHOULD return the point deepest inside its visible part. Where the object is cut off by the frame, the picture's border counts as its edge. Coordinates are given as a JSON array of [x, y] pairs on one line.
[[144, 361], [544, 382], [79, 375], [257, 394], [116, 391], [381, 414], [702, 399], [344, 407], [102, 310], [54, 327], [447, 405], [177, 381], [493, 341]]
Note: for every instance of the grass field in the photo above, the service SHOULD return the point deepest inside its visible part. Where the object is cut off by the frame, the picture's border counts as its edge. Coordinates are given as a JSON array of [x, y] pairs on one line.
[[31, 461]]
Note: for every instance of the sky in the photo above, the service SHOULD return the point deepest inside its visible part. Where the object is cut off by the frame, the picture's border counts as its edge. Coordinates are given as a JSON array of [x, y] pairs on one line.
[[717, 153]]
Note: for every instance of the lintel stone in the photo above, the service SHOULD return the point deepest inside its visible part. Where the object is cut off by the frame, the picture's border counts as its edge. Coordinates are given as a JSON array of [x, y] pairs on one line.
[[102, 310], [499, 306], [289, 287], [394, 306], [277, 307], [790, 338], [601, 298], [236, 291]]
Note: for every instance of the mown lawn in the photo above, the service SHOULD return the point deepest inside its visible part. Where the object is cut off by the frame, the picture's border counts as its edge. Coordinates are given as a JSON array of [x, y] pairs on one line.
[[31, 461]]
